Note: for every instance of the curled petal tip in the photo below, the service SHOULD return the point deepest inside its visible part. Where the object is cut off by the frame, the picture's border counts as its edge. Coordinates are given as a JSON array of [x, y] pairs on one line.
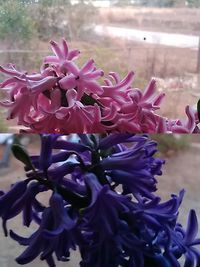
[[52, 42]]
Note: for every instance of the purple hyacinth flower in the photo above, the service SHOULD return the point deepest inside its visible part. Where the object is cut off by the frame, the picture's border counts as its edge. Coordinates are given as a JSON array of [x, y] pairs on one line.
[[8, 199], [105, 207], [185, 242], [103, 201], [55, 234]]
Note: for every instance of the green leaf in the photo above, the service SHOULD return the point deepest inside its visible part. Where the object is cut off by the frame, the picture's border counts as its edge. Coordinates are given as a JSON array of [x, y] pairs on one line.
[[88, 100], [22, 155], [198, 109]]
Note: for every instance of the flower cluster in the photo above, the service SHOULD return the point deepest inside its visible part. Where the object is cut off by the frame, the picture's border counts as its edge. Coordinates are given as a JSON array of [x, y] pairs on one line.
[[102, 201], [63, 98]]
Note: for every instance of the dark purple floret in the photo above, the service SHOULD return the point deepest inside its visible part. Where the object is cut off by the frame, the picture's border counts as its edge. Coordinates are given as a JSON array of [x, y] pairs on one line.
[[56, 234]]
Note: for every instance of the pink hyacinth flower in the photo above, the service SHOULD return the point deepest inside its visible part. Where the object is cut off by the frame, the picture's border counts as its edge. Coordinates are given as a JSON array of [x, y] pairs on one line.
[[78, 118], [144, 100], [62, 53], [116, 93], [179, 126], [48, 123], [20, 107], [185, 126], [83, 79], [63, 98]]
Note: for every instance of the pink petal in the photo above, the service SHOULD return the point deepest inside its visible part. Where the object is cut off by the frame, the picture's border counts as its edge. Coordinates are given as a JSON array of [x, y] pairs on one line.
[[87, 115], [158, 99], [190, 125], [15, 90], [129, 108], [71, 96], [43, 100], [68, 82], [7, 104], [150, 90], [50, 107], [110, 113], [125, 83], [62, 113], [129, 127], [6, 82], [115, 76], [71, 67], [65, 48], [97, 113], [56, 49], [55, 99], [108, 83], [93, 87], [94, 75], [179, 129], [47, 72], [162, 126], [45, 84], [136, 95], [11, 71], [73, 54], [87, 67], [50, 59]]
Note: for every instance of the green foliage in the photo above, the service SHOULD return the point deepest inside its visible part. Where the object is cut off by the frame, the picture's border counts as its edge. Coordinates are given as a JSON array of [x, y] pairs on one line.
[[46, 3], [193, 3], [124, 2], [61, 19], [48, 17], [49, 3], [79, 17], [15, 23], [158, 3], [22, 155]]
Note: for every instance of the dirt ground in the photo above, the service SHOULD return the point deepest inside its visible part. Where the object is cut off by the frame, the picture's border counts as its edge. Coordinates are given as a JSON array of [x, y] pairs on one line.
[[180, 171]]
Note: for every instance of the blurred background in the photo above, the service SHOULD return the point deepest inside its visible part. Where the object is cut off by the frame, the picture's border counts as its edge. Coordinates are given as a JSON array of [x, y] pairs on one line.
[[155, 38], [181, 170]]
